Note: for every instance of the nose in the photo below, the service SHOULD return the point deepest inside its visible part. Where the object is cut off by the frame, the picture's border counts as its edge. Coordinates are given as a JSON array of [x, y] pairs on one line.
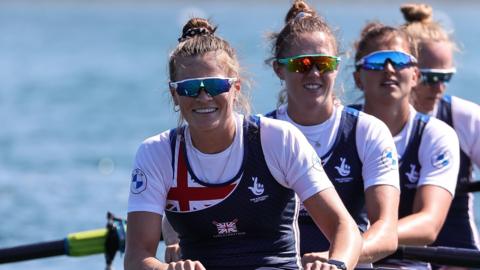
[[315, 71], [437, 87], [203, 94], [388, 67]]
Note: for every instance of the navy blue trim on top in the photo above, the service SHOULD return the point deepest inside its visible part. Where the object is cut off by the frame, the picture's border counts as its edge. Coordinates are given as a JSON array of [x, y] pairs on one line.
[[272, 114], [349, 110], [414, 142], [172, 137]]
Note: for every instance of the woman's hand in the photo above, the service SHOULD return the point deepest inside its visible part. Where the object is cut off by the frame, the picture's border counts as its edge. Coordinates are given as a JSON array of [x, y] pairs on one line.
[[314, 256], [172, 253], [187, 265], [319, 265]]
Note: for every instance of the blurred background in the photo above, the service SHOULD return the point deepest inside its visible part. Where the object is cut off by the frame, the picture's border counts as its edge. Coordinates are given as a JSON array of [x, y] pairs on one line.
[[82, 83]]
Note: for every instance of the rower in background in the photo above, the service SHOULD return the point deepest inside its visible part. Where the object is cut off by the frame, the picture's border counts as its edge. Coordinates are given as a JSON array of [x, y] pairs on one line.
[[357, 150], [436, 62], [386, 71]]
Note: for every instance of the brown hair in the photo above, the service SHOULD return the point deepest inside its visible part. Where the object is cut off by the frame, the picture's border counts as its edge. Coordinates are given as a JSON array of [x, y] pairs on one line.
[[198, 38], [421, 27], [300, 18], [381, 32]]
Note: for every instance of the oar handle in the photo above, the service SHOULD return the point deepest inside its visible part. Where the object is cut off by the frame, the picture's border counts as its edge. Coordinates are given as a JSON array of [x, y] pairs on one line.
[[440, 255], [86, 242], [33, 251], [469, 187]]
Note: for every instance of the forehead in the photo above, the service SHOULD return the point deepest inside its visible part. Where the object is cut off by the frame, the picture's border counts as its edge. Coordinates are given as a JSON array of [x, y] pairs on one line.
[[311, 43], [435, 55], [394, 43], [206, 65]]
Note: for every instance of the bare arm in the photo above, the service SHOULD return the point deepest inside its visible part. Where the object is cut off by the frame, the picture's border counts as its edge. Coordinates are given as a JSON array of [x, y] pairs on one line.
[[381, 238], [172, 249], [331, 216], [143, 235], [430, 209]]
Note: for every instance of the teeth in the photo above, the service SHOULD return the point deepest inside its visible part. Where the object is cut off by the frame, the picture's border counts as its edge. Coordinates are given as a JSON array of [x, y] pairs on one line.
[[389, 82], [312, 86], [205, 110]]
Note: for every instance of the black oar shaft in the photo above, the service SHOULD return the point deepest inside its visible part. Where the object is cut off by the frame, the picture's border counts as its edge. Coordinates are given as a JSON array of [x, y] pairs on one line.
[[469, 187], [441, 255], [33, 251]]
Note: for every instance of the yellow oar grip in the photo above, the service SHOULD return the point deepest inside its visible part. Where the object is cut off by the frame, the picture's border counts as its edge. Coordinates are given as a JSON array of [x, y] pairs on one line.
[[87, 242]]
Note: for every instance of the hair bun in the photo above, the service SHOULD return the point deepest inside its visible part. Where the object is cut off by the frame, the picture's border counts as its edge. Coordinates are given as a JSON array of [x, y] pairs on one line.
[[416, 12], [196, 27], [298, 10]]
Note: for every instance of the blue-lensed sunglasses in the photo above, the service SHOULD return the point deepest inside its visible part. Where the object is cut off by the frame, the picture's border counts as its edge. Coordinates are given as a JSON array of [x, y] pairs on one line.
[[212, 85], [433, 75], [378, 59]]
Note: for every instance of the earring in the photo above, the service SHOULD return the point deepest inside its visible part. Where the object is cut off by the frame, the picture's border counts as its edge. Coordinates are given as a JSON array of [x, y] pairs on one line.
[[176, 108], [281, 82]]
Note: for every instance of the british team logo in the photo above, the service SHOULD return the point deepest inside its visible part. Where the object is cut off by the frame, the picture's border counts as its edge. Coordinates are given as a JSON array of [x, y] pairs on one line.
[[442, 159], [139, 182], [225, 229]]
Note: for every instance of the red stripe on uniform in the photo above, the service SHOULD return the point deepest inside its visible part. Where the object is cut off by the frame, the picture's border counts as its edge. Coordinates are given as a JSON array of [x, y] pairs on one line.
[[184, 194]]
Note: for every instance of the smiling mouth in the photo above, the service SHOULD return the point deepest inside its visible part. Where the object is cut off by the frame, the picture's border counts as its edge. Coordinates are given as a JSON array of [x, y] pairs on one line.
[[205, 110], [313, 86], [389, 83]]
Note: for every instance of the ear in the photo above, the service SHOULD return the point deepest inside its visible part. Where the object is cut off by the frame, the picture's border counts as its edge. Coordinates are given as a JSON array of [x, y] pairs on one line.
[[174, 96], [358, 81], [278, 70], [237, 85], [416, 76]]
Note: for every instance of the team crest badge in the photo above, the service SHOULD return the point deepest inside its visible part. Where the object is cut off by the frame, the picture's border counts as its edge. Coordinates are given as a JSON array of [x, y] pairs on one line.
[[441, 159], [390, 159]]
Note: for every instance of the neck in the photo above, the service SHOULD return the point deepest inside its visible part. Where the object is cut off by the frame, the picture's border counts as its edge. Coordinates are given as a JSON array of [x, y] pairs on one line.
[[310, 115], [423, 109], [214, 141], [395, 115]]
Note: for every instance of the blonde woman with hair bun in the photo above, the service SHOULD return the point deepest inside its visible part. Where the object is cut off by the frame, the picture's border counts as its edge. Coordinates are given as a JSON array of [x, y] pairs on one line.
[[229, 183], [435, 49]]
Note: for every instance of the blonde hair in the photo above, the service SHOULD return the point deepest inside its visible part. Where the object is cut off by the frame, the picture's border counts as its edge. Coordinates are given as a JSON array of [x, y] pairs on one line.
[[422, 28], [198, 38]]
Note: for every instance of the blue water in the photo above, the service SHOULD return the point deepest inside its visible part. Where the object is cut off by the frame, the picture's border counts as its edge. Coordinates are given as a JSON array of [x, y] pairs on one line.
[[81, 85]]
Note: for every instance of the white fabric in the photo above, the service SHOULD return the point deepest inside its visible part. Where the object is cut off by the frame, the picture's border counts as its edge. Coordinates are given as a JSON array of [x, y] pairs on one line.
[[373, 139], [438, 138], [466, 122], [289, 156]]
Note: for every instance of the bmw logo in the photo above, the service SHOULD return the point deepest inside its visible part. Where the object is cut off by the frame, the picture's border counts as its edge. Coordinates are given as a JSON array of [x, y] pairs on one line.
[[139, 181]]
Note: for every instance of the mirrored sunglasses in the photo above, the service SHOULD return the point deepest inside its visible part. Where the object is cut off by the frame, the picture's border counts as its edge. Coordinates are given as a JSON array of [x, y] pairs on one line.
[[305, 63], [212, 85], [378, 59], [433, 76]]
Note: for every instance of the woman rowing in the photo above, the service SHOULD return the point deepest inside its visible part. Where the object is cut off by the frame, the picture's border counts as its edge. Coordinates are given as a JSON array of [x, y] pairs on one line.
[[436, 63], [226, 180], [386, 71], [357, 150]]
